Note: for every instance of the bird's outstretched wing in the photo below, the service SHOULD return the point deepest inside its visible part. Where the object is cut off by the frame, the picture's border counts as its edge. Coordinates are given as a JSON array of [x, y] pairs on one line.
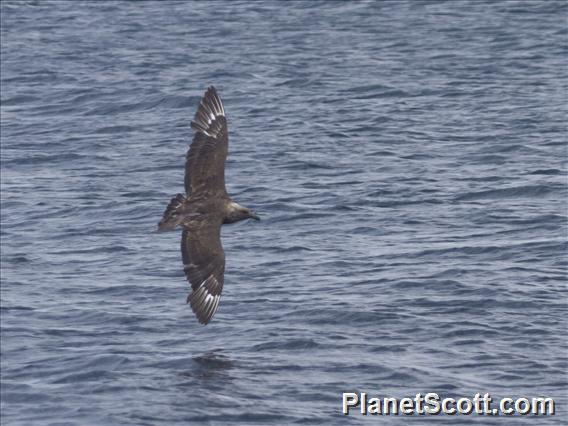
[[205, 159], [204, 266]]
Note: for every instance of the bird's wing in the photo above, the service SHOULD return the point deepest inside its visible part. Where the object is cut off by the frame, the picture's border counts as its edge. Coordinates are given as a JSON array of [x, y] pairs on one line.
[[205, 159], [204, 266]]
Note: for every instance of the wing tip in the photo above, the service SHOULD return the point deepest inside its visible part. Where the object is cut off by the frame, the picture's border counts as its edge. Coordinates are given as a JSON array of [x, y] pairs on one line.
[[204, 302], [206, 119]]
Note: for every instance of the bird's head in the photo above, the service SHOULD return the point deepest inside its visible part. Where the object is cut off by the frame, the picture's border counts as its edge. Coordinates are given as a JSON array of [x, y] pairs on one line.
[[236, 213]]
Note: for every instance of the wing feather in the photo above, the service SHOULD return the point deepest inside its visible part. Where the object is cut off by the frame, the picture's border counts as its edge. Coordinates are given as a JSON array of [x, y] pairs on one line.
[[204, 266], [205, 159]]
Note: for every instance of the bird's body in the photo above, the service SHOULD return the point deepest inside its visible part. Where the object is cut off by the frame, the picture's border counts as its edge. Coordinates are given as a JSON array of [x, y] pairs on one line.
[[205, 207]]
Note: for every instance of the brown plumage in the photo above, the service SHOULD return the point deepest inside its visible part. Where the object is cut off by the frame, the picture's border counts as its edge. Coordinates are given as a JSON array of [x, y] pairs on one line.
[[205, 207]]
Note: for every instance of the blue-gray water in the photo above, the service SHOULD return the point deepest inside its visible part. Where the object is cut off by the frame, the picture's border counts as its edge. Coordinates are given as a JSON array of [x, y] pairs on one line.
[[407, 159]]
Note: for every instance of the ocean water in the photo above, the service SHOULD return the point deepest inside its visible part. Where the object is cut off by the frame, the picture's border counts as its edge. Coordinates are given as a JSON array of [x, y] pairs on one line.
[[408, 160]]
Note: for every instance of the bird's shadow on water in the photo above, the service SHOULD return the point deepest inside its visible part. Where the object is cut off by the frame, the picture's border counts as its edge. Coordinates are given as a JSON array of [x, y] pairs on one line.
[[211, 365]]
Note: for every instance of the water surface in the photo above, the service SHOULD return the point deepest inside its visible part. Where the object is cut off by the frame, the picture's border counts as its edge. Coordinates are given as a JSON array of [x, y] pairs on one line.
[[408, 162]]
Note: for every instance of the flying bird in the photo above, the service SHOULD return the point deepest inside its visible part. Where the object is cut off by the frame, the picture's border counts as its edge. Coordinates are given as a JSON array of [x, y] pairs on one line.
[[205, 207]]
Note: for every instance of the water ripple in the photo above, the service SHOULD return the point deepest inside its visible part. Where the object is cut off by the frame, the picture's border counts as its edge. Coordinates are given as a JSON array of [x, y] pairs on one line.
[[408, 162]]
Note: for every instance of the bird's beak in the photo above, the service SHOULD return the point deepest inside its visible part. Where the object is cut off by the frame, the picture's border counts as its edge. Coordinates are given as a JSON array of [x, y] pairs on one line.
[[254, 216]]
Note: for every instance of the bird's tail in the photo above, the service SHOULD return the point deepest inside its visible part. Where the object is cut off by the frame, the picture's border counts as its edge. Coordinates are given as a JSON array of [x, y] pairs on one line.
[[172, 214]]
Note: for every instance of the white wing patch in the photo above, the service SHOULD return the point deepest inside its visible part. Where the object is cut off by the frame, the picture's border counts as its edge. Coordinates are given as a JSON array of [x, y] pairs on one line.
[[210, 108], [203, 303]]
